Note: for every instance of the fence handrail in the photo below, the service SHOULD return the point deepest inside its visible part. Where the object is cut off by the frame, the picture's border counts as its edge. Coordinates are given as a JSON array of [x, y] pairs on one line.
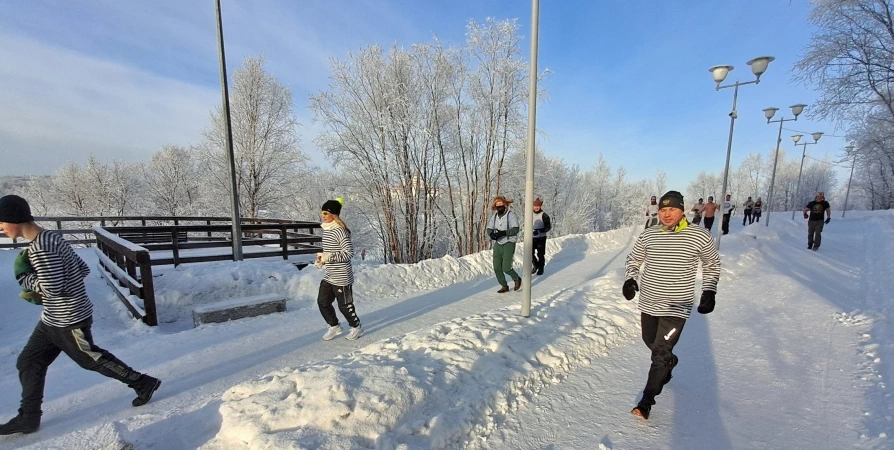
[[165, 218]]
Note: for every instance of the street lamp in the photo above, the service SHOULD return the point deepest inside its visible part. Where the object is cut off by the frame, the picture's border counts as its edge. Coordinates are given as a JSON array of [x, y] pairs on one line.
[[231, 159], [850, 151], [796, 138], [529, 155], [797, 109], [719, 73]]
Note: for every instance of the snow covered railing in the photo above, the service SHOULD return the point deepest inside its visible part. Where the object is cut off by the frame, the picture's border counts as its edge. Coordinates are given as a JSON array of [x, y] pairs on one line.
[[127, 267]]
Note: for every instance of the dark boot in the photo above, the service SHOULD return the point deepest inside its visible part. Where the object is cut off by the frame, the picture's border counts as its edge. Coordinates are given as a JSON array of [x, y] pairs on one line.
[[145, 386], [540, 270], [517, 285], [22, 423], [503, 289]]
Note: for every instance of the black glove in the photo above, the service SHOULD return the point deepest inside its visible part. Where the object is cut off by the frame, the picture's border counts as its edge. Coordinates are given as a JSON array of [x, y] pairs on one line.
[[707, 303], [805, 215], [827, 220], [499, 234], [630, 288], [493, 235]]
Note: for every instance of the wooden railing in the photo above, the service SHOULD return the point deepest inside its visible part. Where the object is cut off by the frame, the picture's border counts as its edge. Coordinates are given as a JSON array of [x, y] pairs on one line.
[[125, 251], [81, 232]]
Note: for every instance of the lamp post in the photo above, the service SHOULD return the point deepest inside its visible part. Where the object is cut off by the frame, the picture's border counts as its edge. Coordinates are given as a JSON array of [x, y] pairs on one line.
[[231, 159], [769, 113], [796, 138], [719, 73], [529, 155], [850, 151]]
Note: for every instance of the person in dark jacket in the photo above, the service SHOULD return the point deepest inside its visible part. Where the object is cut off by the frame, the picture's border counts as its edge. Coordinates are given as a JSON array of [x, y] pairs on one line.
[[665, 260], [51, 269], [503, 230], [542, 225], [747, 218], [814, 212]]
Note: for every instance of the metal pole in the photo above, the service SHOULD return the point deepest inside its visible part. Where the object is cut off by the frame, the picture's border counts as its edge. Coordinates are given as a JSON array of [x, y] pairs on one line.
[[231, 158], [773, 176], [729, 148], [848, 193], [798, 189], [528, 262]]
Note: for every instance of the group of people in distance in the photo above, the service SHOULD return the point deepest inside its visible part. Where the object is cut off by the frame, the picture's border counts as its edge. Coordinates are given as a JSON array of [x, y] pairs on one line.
[[706, 211]]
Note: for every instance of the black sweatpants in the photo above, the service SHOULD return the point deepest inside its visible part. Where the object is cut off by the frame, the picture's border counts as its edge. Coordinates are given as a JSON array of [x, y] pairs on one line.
[[539, 251], [329, 293], [661, 335], [724, 226], [709, 222], [756, 216], [46, 343], [814, 233], [746, 218]]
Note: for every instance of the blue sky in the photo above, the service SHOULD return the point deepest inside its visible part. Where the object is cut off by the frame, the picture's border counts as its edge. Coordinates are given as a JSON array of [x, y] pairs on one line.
[[629, 79]]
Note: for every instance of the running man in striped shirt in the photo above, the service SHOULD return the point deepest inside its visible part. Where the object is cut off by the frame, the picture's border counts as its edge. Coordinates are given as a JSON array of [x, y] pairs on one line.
[[669, 256], [51, 269], [338, 281]]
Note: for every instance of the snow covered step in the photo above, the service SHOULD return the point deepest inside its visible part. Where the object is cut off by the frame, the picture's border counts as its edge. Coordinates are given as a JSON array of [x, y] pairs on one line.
[[238, 308]]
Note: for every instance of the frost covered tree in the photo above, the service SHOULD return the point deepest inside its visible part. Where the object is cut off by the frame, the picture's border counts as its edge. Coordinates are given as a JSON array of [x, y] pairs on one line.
[[265, 142], [850, 61], [172, 181], [424, 133]]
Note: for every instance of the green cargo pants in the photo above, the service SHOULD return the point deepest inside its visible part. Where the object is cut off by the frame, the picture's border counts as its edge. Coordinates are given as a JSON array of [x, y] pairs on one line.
[[503, 254]]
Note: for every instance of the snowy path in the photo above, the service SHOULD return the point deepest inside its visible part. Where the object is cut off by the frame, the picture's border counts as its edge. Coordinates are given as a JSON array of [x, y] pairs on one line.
[[777, 365], [794, 357]]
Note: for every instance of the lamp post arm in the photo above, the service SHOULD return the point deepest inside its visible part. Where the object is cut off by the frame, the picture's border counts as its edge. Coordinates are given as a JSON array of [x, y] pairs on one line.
[[736, 85]]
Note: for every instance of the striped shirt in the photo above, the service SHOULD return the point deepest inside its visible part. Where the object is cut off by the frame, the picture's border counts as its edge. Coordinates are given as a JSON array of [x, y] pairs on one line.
[[670, 263], [337, 243], [59, 278]]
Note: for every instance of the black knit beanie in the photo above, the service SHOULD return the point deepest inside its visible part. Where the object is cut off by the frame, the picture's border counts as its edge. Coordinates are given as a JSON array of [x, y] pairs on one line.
[[333, 206], [15, 209], [671, 199]]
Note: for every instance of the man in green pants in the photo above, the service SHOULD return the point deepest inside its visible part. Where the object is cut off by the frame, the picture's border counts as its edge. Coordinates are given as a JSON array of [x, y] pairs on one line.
[[503, 230]]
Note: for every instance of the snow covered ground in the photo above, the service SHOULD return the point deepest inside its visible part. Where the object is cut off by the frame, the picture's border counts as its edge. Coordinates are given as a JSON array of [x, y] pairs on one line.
[[796, 355]]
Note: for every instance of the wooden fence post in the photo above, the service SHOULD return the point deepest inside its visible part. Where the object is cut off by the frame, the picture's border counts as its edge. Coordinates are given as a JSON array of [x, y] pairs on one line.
[[175, 250], [151, 317]]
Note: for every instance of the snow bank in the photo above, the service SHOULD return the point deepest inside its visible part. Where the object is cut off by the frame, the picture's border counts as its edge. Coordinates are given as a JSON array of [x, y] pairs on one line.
[[178, 291], [393, 280], [428, 389]]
